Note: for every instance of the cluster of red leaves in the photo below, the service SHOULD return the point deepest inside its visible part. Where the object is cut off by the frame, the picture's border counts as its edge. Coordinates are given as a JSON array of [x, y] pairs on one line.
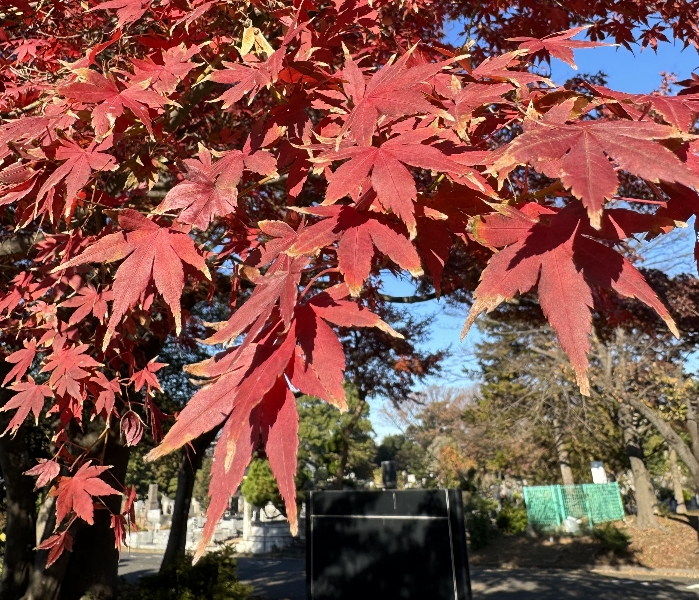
[[342, 159]]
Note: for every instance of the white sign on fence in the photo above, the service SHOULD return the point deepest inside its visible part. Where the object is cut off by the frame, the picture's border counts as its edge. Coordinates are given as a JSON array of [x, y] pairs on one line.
[[599, 475]]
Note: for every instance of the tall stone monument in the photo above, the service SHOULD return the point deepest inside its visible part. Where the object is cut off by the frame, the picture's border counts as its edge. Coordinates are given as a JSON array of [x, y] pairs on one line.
[[152, 502]]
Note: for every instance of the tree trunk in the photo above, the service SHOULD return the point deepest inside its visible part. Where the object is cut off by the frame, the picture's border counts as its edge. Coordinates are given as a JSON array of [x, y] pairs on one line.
[[670, 435], [185, 485], [677, 483], [345, 444], [643, 486], [563, 456], [45, 582], [20, 502], [93, 565], [693, 427]]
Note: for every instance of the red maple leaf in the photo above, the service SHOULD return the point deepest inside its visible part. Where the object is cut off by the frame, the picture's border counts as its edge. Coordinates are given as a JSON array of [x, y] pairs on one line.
[[393, 91], [104, 391], [67, 365], [79, 164], [46, 471], [279, 424], [89, 59], [472, 96], [23, 359], [558, 45], [561, 259], [56, 544], [496, 68], [210, 188], [279, 284], [164, 77], [112, 99], [147, 376], [76, 493], [127, 11], [250, 393], [282, 238], [580, 155], [680, 111], [88, 300], [155, 254], [28, 397], [274, 419], [358, 233], [118, 524], [393, 183], [319, 365], [247, 77]]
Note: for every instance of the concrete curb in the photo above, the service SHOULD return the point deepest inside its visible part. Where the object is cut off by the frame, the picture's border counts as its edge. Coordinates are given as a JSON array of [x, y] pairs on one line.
[[647, 571], [654, 573]]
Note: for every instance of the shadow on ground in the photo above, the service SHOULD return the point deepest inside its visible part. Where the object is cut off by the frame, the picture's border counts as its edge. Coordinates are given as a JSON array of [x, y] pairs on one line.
[[547, 552], [555, 585], [274, 579]]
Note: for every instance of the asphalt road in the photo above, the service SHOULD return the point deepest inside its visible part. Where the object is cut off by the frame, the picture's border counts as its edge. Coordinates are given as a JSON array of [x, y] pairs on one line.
[[284, 579]]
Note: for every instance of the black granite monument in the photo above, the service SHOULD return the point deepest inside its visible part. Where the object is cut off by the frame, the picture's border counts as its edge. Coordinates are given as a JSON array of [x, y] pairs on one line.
[[387, 545]]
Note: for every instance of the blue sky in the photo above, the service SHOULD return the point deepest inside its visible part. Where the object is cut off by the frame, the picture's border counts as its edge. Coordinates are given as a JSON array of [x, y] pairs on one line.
[[637, 72]]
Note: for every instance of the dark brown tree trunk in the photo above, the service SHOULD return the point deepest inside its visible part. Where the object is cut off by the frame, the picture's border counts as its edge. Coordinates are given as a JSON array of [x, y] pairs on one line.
[[45, 582], [563, 456], [189, 465], [643, 486], [92, 569], [20, 500], [345, 443]]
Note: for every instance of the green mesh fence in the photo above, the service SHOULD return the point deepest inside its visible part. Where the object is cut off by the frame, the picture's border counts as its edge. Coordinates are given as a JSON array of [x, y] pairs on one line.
[[549, 505]]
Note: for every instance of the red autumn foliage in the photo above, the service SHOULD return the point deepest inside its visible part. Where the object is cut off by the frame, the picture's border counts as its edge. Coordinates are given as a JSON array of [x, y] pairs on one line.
[[299, 152]]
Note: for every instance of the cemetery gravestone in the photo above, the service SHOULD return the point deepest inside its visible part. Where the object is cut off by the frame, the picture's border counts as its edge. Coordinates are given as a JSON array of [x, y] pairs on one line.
[[388, 475], [152, 502], [390, 545]]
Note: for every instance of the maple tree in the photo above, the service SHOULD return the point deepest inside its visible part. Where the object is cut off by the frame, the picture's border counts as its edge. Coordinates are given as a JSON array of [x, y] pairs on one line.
[[155, 154]]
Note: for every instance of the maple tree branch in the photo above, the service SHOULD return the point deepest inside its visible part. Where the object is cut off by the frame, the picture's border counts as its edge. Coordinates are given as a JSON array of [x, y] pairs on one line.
[[312, 281], [264, 180], [547, 191], [408, 299], [20, 111]]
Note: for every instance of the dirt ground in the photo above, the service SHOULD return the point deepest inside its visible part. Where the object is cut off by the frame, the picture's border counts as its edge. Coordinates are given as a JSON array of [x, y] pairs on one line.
[[672, 547]]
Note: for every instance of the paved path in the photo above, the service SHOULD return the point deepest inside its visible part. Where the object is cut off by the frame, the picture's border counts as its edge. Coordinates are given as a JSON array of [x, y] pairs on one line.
[[284, 579]]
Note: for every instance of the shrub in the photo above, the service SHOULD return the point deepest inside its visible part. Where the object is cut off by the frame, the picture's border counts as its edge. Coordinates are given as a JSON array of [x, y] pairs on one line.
[[612, 539], [479, 528], [512, 519], [479, 524], [214, 577]]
